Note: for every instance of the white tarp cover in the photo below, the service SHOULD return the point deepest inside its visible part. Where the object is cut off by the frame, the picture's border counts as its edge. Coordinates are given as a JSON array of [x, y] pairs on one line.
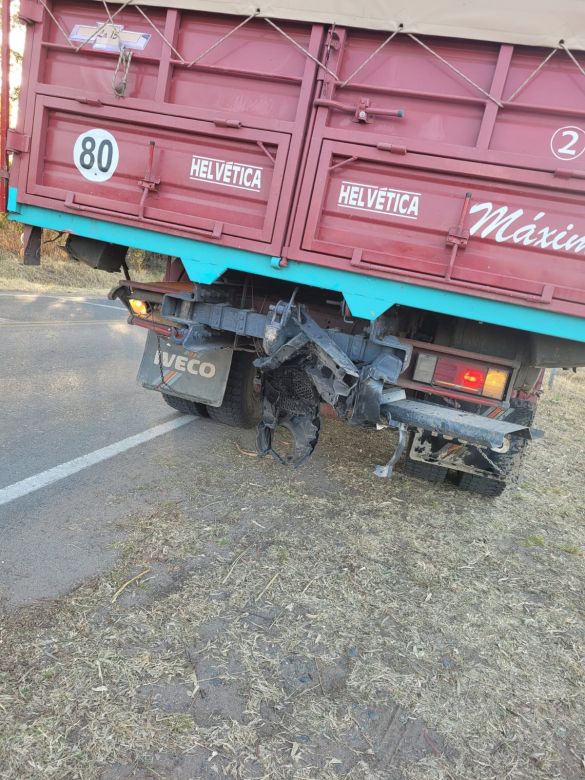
[[529, 22]]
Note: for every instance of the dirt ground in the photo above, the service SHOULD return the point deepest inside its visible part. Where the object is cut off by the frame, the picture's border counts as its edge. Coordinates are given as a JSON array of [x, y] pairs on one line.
[[318, 624]]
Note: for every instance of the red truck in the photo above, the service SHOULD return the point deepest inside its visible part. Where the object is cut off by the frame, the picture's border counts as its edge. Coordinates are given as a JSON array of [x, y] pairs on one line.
[[375, 209]]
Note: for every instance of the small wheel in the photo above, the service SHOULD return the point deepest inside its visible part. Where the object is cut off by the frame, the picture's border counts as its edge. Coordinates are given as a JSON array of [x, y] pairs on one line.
[[185, 406], [241, 403], [484, 486], [427, 471]]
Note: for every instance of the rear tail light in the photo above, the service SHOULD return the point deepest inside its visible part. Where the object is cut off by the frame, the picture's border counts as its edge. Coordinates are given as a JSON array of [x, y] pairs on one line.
[[496, 383], [454, 373], [139, 308], [425, 368], [463, 375]]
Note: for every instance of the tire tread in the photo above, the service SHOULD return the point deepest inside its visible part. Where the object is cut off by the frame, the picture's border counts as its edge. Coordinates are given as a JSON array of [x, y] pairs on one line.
[[427, 471], [483, 486], [184, 405], [240, 407]]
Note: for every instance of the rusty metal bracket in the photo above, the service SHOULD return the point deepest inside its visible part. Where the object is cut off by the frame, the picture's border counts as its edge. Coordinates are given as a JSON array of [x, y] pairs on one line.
[[387, 469], [458, 236], [17, 143], [149, 183], [363, 112]]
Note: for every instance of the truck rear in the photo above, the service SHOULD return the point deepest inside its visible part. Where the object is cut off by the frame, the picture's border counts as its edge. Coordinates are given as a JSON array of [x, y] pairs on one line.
[[379, 214]]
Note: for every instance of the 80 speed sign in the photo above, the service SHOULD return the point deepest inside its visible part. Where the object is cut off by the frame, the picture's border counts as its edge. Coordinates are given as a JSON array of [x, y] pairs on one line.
[[96, 155]]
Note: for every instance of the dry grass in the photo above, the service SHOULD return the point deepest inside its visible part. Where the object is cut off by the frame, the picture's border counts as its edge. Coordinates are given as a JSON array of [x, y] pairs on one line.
[[54, 275], [319, 624], [57, 272]]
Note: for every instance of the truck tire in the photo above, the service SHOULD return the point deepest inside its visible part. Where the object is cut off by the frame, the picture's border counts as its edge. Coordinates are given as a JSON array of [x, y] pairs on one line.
[[484, 486], [523, 413], [427, 471], [241, 402], [185, 406]]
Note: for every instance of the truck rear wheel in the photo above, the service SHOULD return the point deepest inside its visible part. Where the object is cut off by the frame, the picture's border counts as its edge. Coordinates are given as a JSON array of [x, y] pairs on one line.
[[427, 471], [185, 406], [484, 486], [521, 412], [241, 402], [507, 463]]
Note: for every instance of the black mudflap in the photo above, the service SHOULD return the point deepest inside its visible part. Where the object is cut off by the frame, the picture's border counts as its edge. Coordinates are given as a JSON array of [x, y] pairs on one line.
[[198, 375]]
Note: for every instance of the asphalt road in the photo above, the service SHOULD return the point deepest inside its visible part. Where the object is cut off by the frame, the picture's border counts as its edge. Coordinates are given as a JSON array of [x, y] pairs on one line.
[[68, 388]]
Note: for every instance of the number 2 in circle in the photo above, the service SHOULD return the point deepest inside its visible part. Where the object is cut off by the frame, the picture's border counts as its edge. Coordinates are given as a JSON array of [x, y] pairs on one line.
[[568, 143]]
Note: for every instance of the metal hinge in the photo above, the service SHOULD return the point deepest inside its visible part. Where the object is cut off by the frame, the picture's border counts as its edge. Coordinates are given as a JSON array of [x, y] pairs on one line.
[[235, 123], [17, 143], [362, 112], [458, 236], [333, 41], [563, 173], [89, 101], [392, 148]]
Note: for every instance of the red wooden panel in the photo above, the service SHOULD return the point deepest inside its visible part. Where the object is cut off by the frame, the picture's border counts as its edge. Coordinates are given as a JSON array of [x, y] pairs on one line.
[[228, 130], [253, 75], [224, 181], [373, 211], [222, 142], [90, 72], [443, 92], [439, 106]]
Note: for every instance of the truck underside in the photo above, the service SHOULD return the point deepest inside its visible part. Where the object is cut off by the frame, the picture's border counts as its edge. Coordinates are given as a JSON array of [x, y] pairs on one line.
[[248, 351]]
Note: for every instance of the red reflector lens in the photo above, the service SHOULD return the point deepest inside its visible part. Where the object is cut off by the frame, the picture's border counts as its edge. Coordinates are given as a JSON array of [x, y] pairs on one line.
[[457, 374], [471, 377]]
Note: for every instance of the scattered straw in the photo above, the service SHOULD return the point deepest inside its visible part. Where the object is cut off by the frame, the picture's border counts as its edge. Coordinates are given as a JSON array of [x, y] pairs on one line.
[[267, 588], [200, 674], [247, 453], [123, 587]]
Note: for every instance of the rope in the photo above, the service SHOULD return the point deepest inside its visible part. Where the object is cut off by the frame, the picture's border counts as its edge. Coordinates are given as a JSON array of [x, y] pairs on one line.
[[534, 73], [124, 62], [572, 56], [217, 43], [456, 70], [222, 39], [54, 18], [108, 12], [301, 48], [155, 28], [370, 58]]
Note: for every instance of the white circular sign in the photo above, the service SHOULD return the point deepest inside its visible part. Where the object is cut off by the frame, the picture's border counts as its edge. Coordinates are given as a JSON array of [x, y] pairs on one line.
[[96, 155], [568, 143]]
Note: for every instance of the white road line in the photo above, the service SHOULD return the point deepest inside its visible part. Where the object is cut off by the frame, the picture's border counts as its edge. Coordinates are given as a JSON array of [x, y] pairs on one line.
[[48, 477], [75, 299], [50, 323]]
